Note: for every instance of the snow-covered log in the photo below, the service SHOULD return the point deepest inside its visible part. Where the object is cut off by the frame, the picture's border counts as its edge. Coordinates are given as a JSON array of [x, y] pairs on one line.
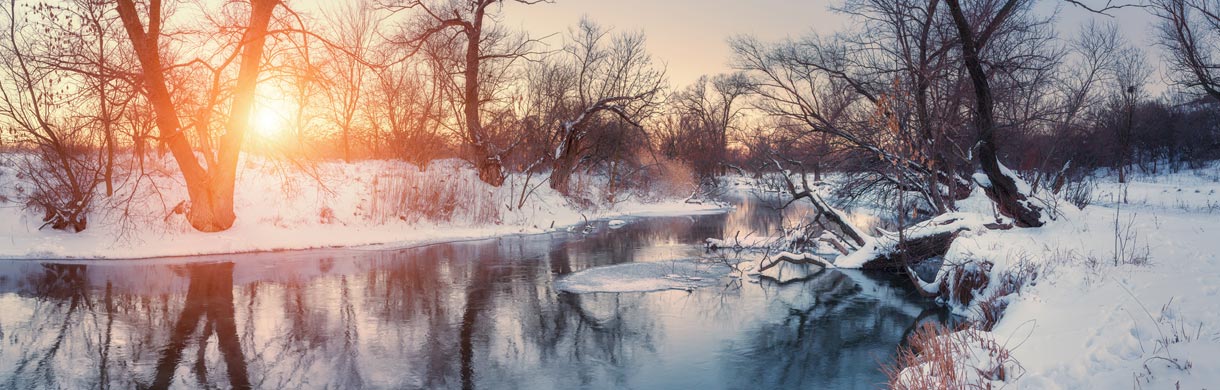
[[922, 241]]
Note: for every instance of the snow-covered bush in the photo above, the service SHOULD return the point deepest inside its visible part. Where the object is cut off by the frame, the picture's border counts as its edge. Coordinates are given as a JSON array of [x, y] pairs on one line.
[[940, 358], [57, 183]]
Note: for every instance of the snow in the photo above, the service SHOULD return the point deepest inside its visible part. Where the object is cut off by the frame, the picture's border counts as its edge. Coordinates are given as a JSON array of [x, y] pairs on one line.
[[283, 206], [945, 223], [748, 242], [784, 272], [1150, 321], [644, 277], [977, 356]]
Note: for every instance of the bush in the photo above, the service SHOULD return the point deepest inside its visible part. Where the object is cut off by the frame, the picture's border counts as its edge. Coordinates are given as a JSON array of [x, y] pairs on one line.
[[1079, 193], [443, 193], [62, 187], [670, 179], [937, 357]]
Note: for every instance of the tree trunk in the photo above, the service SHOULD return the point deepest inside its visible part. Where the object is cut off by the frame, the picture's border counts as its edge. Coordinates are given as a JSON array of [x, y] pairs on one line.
[[561, 174], [1002, 189], [911, 251], [490, 168], [210, 190]]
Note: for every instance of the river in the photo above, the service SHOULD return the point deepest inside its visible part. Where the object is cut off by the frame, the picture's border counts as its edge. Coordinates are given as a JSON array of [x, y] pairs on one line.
[[479, 314]]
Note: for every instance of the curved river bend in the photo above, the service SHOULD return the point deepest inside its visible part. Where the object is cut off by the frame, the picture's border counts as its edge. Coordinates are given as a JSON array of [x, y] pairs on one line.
[[481, 314]]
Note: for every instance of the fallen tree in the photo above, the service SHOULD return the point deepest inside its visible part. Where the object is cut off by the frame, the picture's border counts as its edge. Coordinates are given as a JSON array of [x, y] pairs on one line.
[[829, 232]]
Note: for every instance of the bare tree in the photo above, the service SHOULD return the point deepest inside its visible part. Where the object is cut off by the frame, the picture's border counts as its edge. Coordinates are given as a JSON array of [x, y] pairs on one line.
[[211, 188], [91, 51], [613, 75], [468, 18], [831, 87], [1131, 73], [355, 27], [715, 106], [43, 116], [400, 102], [1190, 31], [1002, 186]]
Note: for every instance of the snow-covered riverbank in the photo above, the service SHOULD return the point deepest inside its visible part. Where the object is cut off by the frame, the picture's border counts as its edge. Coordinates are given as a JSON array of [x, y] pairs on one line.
[[1127, 295], [282, 206]]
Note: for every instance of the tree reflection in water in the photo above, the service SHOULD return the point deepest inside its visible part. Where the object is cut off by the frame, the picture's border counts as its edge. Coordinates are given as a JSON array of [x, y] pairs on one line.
[[465, 315], [209, 300]]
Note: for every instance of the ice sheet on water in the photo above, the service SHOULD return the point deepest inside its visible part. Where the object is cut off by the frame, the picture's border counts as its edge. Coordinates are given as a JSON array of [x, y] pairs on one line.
[[641, 277]]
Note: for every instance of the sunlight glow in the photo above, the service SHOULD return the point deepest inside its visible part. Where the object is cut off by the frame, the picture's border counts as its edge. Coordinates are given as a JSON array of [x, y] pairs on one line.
[[267, 121]]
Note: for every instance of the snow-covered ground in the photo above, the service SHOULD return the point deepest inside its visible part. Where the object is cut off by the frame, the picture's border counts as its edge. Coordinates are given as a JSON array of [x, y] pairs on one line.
[[283, 205], [1127, 295]]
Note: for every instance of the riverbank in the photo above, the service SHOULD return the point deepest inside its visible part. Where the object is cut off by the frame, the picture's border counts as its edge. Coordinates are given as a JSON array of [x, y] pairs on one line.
[[287, 206], [1118, 294]]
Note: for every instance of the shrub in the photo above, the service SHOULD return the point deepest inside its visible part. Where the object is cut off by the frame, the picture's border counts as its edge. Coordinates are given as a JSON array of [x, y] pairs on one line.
[[445, 192], [937, 357], [1079, 194], [670, 179]]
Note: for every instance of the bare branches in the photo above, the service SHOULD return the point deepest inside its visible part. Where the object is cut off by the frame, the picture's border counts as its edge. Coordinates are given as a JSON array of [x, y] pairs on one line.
[[1189, 30], [1105, 9], [594, 77]]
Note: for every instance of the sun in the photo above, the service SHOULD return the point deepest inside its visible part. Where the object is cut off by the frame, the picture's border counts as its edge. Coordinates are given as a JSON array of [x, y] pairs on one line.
[[269, 118], [267, 122]]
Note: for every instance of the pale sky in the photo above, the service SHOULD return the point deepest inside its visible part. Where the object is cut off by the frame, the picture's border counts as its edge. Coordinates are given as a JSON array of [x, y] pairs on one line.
[[689, 35]]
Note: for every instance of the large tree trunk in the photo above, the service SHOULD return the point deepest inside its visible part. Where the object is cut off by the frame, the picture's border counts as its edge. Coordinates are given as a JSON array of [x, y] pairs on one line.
[[210, 190], [911, 251], [1001, 187], [565, 159], [491, 170], [561, 174]]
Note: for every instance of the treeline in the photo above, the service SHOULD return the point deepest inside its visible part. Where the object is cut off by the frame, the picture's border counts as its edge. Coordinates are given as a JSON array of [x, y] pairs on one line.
[[914, 99]]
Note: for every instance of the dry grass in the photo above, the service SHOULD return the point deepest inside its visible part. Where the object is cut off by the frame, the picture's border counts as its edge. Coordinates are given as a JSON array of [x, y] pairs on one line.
[[966, 280], [669, 179], [937, 357], [439, 194]]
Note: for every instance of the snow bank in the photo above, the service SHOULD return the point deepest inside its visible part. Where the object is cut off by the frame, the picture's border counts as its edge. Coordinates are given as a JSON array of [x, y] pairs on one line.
[[1127, 294], [282, 206], [642, 277]]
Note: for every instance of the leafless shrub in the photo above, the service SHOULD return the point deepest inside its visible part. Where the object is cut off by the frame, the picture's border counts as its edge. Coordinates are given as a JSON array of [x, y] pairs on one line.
[[1079, 194], [966, 279], [1127, 245], [937, 357], [992, 307], [326, 215], [771, 182], [439, 194], [670, 179], [62, 185]]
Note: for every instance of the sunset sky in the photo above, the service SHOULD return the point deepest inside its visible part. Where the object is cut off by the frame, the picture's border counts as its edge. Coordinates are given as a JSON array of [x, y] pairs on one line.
[[689, 35]]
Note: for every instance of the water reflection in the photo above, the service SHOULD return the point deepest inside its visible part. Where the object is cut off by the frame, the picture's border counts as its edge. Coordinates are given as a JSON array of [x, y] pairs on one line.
[[468, 315]]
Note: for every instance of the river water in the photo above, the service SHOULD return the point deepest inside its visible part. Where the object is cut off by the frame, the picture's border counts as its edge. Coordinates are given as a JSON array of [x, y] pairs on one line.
[[479, 314]]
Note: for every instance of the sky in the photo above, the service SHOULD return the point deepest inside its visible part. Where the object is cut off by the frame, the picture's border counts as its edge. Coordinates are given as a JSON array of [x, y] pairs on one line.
[[689, 35]]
